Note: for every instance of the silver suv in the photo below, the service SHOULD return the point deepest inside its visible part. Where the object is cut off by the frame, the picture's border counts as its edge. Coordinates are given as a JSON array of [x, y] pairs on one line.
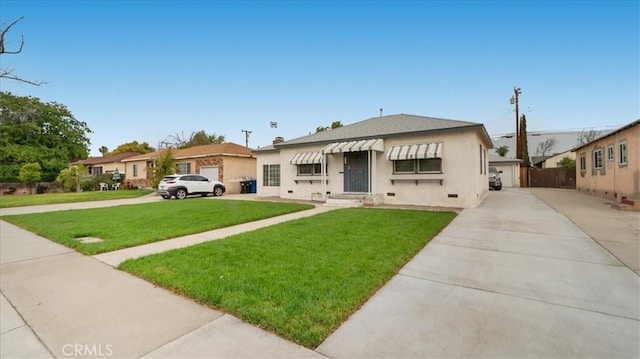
[[495, 182], [180, 186]]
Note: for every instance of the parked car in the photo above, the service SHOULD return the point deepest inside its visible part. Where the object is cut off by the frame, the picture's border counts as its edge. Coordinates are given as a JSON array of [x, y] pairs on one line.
[[495, 182], [181, 186]]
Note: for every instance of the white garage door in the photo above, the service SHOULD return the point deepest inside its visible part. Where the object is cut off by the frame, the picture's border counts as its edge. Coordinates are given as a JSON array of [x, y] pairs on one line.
[[507, 175], [210, 172]]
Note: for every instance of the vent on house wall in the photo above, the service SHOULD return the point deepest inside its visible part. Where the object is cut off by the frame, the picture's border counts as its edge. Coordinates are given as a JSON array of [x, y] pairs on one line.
[[452, 195], [391, 194]]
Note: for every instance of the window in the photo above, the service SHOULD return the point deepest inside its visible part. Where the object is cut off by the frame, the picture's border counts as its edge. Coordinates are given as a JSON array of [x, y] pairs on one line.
[[96, 171], [481, 160], [622, 149], [135, 170], [610, 155], [404, 166], [583, 162], [426, 165], [310, 170], [183, 168], [597, 159], [271, 175], [430, 165]]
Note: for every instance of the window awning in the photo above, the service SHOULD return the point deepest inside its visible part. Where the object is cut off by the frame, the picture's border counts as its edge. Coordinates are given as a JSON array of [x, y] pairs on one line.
[[375, 144], [412, 152], [306, 158]]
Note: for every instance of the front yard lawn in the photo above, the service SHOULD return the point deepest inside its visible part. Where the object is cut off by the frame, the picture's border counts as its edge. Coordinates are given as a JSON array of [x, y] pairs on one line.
[[22, 200], [300, 279], [133, 225]]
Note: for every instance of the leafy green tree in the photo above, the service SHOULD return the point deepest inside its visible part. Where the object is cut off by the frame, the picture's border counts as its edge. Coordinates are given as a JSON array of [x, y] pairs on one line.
[[567, 162], [104, 151], [334, 125], [165, 165], [134, 146], [36, 132], [30, 173], [71, 177], [524, 147], [502, 150]]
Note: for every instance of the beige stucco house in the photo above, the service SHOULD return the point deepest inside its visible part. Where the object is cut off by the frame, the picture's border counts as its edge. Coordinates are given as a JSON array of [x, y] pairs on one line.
[[97, 166], [609, 166], [397, 159], [227, 162]]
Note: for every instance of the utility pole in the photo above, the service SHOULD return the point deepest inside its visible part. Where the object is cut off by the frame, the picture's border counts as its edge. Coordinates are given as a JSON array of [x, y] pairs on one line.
[[246, 137], [514, 100]]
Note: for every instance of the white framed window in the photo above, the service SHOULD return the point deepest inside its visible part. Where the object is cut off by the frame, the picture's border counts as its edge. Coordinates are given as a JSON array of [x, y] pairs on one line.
[[597, 159], [610, 152], [622, 150], [183, 168], [310, 169], [96, 171], [425, 165], [271, 175], [583, 162]]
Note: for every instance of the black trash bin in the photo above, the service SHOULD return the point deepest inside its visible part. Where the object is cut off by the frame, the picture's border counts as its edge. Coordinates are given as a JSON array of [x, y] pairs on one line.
[[245, 186]]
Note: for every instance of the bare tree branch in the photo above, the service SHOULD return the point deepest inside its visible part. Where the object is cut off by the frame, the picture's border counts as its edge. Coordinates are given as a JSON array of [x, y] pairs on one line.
[[4, 32], [7, 73]]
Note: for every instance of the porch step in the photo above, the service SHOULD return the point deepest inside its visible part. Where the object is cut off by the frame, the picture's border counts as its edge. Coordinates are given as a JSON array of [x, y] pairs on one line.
[[353, 200], [628, 205]]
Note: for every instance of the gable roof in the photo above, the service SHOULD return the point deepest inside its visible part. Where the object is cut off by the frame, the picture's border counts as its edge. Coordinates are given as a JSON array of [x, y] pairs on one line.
[[383, 126], [216, 149], [102, 160], [634, 123]]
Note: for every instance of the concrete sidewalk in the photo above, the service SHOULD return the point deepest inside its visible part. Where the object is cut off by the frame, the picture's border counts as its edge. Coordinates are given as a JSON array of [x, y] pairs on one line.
[[511, 278], [59, 303]]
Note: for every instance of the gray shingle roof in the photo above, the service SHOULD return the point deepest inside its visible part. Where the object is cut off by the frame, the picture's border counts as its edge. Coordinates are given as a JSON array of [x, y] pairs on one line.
[[385, 126]]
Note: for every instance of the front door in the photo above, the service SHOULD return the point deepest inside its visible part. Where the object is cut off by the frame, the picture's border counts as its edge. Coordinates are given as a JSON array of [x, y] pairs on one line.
[[356, 172]]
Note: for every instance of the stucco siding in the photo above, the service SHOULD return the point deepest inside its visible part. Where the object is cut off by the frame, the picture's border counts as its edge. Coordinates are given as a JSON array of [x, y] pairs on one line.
[[614, 180], [464, 179]]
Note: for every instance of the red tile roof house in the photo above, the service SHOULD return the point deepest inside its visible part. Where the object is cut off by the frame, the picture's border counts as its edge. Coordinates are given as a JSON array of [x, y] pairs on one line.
[[609, 166], [102, 165], [228, 162]]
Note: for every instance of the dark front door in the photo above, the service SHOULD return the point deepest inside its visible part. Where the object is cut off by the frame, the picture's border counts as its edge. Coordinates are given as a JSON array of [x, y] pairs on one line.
[[356, 172]]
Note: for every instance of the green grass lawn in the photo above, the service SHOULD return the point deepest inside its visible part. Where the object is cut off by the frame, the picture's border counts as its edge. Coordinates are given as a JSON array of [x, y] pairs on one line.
[[133, 225], [7, 201], [299, 279]]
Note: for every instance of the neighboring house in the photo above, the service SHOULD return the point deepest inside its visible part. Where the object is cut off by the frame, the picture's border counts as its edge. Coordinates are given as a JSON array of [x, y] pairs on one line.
[[609, 166], [539, 161], [398, 159], [97, 166], [226, 162], [510, 168], [556, 160]]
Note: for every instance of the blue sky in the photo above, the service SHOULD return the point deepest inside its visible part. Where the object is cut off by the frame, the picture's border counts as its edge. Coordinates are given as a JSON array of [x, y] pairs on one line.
[[144, 70]]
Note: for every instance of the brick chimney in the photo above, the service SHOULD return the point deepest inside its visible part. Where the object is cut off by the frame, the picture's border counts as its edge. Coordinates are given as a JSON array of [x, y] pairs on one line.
[[278, 140]]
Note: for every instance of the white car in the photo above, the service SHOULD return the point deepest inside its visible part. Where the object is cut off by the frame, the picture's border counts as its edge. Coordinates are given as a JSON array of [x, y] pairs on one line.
[[181, 186]]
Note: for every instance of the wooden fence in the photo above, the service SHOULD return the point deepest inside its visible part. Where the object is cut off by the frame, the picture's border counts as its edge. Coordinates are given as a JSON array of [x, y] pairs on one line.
[[552, 177]]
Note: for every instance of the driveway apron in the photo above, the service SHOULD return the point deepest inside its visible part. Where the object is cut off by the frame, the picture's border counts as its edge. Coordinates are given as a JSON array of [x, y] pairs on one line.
[[511, 278]]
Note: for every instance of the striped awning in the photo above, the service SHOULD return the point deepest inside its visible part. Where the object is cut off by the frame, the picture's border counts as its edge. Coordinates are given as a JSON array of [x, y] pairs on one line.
[[306, 158], [412, 152], [375, 144]]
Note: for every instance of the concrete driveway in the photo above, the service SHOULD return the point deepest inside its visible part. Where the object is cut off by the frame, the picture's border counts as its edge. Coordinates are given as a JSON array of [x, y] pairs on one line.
[[512, 278]]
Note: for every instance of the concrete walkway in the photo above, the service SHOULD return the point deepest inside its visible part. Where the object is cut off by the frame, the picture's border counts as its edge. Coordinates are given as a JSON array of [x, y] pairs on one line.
[[512, 278]]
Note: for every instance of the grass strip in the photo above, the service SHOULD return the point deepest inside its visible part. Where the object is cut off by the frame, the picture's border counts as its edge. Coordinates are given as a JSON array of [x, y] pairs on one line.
[[300, 279], [132, 225], [7, 201]]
